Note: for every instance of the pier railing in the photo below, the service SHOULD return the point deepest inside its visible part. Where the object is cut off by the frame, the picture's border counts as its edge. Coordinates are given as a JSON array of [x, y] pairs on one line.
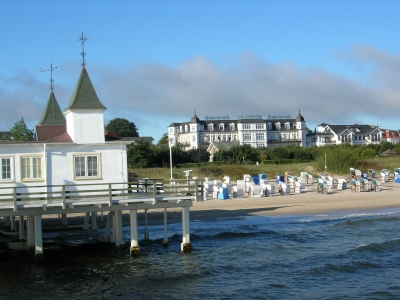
[[141, 190]]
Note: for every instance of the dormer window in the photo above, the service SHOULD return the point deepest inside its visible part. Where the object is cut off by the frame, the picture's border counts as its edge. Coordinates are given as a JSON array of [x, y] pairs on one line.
[[211, 127], [278, 125], [232, 126], [269, 126], [186, 128], [287, 125], [221, 127]]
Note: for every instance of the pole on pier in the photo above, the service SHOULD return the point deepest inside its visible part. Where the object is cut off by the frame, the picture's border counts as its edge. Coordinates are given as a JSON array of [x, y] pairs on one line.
[[135, 249], [186, 247], [165, 242], [38, 237]]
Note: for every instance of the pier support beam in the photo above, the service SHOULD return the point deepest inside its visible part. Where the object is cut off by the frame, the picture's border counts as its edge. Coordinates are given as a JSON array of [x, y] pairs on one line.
[[110, 220], [64, 220], [186, 247], [94, 220], [38, 238], [117, 229], [21, 228], [165, 241], [146, 230], [30, 233], [86, 222], [12, 225], [135, 249]]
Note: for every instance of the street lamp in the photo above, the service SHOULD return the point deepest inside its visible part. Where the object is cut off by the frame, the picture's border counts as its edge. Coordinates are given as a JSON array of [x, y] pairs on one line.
[[170, 154]]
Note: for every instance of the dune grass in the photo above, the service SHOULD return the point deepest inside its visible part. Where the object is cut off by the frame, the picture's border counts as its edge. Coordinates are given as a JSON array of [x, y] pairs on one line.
[[237, 171]]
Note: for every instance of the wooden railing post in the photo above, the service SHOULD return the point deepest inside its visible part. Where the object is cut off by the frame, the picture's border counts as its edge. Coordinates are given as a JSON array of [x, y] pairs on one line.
[[196, 192], [15, 199], [154, 192], [109, 195], [64, 203]]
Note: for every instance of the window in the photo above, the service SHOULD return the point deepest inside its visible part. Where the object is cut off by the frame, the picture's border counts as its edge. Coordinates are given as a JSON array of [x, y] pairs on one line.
[[171, 130], [246, 126], [210, 127], [269, 126], [260, 136], [193, 128], [287, 125], [186, 128], [259, 126], [232, 126], [193, 138], [260, 145], [221, 127], [5, 165], [87, 166], [247, 136], [278, 125], [31, 168]]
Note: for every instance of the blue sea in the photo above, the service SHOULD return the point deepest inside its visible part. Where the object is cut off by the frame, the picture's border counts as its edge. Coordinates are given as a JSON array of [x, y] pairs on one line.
[[340, 255]]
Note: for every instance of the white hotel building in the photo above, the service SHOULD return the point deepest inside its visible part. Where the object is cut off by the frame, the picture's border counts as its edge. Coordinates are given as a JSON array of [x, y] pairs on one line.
[[247, 129]]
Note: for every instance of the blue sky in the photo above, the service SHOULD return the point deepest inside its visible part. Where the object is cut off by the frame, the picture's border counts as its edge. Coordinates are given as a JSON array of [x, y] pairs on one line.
[[157, 62]]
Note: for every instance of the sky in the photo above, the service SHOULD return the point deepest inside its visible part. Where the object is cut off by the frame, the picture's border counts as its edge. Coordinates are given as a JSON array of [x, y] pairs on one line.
[[157, 62]]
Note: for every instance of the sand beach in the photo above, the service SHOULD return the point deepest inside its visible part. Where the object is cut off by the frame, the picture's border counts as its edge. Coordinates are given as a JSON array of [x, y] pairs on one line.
[[305, 203]]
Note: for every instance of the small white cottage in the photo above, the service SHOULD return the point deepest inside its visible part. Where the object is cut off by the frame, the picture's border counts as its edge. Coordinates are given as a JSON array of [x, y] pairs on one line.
[[69, 150]]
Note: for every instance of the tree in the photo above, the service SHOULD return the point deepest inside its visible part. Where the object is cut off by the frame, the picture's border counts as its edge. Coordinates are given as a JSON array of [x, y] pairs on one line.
[[122, 128], [163, 140], [20, 132], [140, 155]]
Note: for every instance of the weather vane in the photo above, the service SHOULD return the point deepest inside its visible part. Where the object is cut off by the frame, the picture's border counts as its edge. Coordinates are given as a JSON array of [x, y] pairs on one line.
[[83, 40], [51, 69]]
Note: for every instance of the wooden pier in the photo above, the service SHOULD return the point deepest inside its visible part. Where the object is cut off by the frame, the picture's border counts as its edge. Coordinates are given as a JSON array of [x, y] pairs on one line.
[[30, 203]]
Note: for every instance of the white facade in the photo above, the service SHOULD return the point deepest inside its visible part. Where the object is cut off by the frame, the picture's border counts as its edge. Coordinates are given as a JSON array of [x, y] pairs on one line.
[[93, 122], [42, 164], [250, 130], [356, 134], [79, 154]]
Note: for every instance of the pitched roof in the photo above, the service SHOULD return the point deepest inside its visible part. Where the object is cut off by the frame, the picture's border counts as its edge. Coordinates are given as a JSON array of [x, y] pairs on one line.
[[299, 117], [52, 115], [63, 138], [84, 96], [49, 132]]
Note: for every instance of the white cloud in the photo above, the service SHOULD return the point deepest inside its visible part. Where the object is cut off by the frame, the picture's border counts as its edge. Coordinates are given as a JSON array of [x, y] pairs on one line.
[[155, 95]]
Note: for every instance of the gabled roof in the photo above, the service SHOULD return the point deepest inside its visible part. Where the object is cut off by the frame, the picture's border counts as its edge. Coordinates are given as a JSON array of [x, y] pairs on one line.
[[356, 128], [52, 115], [84, 96], [223, 145]]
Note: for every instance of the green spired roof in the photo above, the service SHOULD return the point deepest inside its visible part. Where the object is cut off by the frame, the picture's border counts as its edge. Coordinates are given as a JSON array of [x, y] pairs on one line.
[[84, 96], [52, 115]]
